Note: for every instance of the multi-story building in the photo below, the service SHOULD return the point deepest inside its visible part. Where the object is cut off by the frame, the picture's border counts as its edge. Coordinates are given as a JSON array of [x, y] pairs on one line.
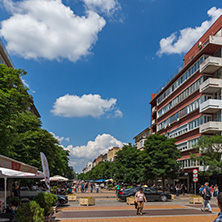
[[141, 137], [99, 159], [112, 153], [6, 60], [189, 104]]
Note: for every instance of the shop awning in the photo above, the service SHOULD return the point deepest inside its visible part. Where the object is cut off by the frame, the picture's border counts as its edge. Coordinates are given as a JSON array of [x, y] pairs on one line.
[[12, 164]]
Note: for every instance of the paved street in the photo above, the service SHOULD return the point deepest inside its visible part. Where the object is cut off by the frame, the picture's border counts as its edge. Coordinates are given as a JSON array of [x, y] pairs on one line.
[[109, 209]]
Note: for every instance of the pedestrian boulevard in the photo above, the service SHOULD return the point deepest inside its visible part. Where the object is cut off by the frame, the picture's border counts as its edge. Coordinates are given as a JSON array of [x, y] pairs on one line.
[[108, 209]]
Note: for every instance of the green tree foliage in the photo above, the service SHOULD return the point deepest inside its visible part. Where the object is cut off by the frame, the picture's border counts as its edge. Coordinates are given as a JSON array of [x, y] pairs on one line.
[[46, 201], [104, 170], [128, 166], [13, 100], [21, 135], [159, 157], [31, 212], [210, 149]]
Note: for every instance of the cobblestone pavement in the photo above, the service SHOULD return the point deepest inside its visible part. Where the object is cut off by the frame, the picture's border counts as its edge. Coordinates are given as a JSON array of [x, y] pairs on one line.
[[108, 209]]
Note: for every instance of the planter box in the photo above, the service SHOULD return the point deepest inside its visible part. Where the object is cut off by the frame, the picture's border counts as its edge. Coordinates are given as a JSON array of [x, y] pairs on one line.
[[72, 197], [130, 200], [87, 201], [195, 200]]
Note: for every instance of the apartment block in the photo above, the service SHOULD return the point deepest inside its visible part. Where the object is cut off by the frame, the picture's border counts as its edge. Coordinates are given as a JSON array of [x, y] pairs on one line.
[[112, 153], [141, 137], [189, 104]]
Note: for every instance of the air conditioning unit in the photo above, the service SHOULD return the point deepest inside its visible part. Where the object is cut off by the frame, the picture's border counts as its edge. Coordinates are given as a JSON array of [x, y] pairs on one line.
[[200, 44]]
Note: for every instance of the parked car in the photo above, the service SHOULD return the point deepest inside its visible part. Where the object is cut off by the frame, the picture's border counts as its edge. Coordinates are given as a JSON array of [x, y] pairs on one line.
[[62, 199], [151, 195]]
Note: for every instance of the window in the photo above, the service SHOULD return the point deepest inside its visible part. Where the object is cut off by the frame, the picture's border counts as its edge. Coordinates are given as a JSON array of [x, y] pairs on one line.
[[181, 80]]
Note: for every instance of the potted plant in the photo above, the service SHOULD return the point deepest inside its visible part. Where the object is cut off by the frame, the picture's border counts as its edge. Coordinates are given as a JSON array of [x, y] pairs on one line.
[[87, 201], [47, 201], [31, 212]]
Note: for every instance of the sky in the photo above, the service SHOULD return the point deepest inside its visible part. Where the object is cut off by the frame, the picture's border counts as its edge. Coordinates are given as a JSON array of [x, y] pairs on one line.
[[93, 64]]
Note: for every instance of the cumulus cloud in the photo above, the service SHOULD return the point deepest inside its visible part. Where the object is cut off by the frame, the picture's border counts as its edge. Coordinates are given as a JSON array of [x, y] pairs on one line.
[[80, 155], [49, 29], [177, 44], [104, 6], [86, 105], [60, 139]]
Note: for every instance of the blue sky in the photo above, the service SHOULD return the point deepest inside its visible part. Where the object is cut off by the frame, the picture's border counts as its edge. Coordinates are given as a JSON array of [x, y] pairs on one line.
[[93, 64]]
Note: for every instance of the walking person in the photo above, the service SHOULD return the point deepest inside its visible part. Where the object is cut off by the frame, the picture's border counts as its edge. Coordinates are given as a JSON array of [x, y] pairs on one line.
[[97, 188], [91, 187], [216, 190], [219, 203], [206, 197], [139, 199]]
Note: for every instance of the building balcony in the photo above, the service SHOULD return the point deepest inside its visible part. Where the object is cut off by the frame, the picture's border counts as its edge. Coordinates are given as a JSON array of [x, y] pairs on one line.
[[211, 106], [211, 85], [153, 122], [210, 65], [216, 40], [211, 127]]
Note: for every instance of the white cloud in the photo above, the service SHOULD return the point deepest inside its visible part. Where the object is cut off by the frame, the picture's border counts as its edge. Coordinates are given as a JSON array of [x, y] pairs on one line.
[[118, 113], [86, 105], [80, 155], [104, 6], [177, 44], [49, 29], [60, 139], [67, 139]]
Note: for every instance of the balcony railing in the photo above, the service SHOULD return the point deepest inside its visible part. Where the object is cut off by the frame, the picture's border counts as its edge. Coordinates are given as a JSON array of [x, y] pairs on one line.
[[210, 65], [211, 85], [217, 40], [211, 106], [211, 127]]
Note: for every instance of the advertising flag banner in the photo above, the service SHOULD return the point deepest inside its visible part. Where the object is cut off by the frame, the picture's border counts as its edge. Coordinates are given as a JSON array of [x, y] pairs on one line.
[[45, 169]]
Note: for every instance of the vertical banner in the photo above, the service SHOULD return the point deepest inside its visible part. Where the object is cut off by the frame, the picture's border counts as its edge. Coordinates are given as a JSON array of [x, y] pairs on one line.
[[45, 169]]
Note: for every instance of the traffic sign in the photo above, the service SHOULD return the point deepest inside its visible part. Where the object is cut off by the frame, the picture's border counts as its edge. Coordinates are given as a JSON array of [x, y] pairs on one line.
[[195, 171], [195, 175], [195, 179]]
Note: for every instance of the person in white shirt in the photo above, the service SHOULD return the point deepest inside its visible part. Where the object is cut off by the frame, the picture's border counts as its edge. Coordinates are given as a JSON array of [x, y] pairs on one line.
[[139, 199]]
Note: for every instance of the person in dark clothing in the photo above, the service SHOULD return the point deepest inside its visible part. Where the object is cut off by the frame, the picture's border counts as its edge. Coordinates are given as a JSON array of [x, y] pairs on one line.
[[16, 191], [206, 197]]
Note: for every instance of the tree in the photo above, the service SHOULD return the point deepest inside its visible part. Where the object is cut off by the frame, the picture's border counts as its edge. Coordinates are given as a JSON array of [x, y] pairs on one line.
[[14, 100], [210, 149], [21, 135], [127, 165], [159, 157]]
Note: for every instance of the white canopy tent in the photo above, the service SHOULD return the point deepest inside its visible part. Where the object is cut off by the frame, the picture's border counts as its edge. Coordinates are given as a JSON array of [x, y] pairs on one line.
[[57, 178], [8, 173]]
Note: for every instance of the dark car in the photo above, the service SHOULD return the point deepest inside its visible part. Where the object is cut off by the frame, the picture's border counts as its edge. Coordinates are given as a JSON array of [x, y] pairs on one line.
[[62, 199], [151, 195]]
